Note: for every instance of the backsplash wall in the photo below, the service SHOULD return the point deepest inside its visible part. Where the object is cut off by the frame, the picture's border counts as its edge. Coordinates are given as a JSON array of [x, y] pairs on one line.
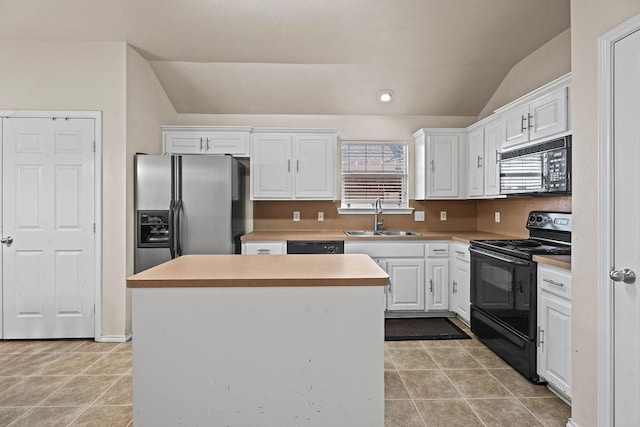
[[462, 215], [272, 215], [514, 212]]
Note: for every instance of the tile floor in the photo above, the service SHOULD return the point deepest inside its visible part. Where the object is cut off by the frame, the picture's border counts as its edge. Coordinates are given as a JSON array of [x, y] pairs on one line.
[[462, 383], [427, 383], [65, 383]]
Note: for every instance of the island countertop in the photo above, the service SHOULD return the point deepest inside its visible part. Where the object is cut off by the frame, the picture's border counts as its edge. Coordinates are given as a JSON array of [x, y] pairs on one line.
[[193, 271]]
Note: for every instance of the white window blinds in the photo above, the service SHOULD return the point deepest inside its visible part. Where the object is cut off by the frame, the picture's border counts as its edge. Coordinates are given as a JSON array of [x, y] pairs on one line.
[[374, 170]]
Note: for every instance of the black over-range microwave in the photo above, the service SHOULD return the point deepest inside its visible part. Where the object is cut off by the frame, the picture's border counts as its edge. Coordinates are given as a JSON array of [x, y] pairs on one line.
[[540, 169]]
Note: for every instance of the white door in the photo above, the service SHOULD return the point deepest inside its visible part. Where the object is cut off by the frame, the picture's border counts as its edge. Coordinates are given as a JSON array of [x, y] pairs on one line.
[[406, 287], [626, 129], [48, 211], [315, 166], [186, 142], [437, 284], [271, 166], [516, 129], [476, 162], [443, 165], [548, 115], [554, 341], [492, 144]]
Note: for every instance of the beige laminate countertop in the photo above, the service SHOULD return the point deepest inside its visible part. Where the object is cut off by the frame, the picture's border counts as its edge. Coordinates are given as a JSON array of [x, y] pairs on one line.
[[459, 236], [562, 261], [192, 271]]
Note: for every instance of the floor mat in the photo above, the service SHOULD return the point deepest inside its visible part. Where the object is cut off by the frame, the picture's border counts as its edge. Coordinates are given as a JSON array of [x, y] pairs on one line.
[[422, 328]]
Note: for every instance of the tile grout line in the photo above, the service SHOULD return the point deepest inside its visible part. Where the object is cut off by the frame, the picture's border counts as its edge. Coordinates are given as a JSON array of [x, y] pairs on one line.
[[96, 399]]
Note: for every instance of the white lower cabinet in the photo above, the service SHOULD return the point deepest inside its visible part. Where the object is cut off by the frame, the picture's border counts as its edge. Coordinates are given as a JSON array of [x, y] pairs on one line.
[[437, 285], [404, 262], [554, 327], [460, 282], [264, 248]]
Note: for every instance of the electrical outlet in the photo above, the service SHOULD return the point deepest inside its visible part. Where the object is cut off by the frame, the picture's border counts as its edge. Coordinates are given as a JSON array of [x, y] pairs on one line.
[[419, 215], [497, 217], [296, 216], [320, 216], [443, 215]]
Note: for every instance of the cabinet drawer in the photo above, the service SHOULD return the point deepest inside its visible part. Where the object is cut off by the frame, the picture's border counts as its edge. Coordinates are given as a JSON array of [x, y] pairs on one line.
[[461, 252], [386, 250], [555, 280], [264, 248], [437, 249]]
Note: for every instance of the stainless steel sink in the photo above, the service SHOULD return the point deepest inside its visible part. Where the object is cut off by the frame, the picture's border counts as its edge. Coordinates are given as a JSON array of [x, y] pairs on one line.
[[380, 233]]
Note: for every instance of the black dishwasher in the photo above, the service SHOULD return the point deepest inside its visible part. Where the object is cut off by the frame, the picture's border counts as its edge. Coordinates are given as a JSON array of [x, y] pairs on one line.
[[315, 247]]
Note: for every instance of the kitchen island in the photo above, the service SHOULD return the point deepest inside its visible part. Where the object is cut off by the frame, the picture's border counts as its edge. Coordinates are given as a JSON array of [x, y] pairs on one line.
[[259, 340]]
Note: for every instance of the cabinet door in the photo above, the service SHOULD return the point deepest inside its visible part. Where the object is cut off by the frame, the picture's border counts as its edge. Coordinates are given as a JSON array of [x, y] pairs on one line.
[[476, 162], [443, 165], [383, 265], [548, 115], [492, 144], [516, 126], [437, 284], [461, 283], [185, 142], [406, 289], [235, 143], [264, 248], [271, 166], [554, 341], [315, 166]]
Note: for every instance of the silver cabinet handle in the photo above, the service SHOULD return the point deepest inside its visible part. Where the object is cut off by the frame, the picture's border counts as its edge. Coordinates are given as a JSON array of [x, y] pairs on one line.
[[439, 250], [460, 252], [530, 120], [540, 337], [289, 165], [626, 275], [553, 282], [432, 169], [431, 285], [455, 287], [201, 141], [497, 157], [264, 251], [7, 240], [522, 126], [479, 161], [208, 145]]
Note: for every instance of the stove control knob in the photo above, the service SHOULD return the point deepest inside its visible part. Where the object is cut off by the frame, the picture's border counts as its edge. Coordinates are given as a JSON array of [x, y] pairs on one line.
[[532, 219], [538, 219]]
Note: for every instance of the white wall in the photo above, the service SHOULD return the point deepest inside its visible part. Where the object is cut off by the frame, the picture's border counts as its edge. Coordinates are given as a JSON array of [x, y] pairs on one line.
[[148, 107], [81, 76], [589, 20], [545, 64]]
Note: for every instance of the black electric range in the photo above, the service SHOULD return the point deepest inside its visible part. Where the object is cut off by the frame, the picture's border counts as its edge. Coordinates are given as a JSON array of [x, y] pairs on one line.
[[504, 287]]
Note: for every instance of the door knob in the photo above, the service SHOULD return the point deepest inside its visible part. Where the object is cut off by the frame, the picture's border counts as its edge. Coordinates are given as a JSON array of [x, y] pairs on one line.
[[8, 240], [626, 276]]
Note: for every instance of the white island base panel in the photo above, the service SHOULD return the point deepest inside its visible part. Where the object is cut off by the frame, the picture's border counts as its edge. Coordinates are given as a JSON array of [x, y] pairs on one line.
[[258, 356]]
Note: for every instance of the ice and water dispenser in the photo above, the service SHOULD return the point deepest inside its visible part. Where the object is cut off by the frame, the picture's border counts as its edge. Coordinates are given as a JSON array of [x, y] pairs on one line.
[[153, 229]]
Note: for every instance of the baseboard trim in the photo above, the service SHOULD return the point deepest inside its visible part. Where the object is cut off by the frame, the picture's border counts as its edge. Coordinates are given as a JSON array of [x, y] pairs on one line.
[[115, 338]]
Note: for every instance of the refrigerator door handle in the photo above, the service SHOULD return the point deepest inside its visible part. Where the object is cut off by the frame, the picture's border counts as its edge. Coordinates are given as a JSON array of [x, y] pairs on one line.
[[172, 228], [178, 210]]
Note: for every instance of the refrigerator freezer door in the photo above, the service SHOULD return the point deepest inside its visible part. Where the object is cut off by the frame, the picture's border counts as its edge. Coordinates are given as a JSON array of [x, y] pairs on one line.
[[205, 219], [153, 185]]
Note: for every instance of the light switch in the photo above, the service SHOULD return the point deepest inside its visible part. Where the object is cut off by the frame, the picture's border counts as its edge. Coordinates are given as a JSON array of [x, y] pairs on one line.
[[320, 216], [296, 216], [419, 215], [443, 215], [497, 217]]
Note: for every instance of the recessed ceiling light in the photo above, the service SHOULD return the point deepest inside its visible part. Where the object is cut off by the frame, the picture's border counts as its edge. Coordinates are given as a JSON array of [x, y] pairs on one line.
[[385, 95]]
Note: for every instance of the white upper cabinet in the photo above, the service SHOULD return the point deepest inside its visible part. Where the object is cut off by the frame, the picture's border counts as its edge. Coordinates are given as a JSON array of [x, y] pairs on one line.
[[206, 140], [539, 115], [293, 164], [440, 163], [483, 167]]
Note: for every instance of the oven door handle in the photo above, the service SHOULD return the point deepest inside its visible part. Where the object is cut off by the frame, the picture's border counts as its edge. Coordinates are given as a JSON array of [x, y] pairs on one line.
[[501, 257]]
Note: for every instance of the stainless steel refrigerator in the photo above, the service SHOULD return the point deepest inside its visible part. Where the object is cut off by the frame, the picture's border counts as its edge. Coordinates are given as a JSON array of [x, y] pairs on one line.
[[192, 204]]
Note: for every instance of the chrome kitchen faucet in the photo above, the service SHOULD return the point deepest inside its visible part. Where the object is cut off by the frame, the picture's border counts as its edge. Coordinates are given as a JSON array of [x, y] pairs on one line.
[[377, 209]]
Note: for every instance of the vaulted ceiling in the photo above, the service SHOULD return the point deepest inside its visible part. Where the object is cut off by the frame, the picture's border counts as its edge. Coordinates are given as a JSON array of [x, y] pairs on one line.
[[439, 57]]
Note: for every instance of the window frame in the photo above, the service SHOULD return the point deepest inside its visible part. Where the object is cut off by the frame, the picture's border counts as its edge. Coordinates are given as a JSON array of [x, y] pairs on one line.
[[368, 208]]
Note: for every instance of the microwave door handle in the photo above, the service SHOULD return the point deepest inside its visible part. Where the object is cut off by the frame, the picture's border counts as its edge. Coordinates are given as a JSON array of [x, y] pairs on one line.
[[505, 258]]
